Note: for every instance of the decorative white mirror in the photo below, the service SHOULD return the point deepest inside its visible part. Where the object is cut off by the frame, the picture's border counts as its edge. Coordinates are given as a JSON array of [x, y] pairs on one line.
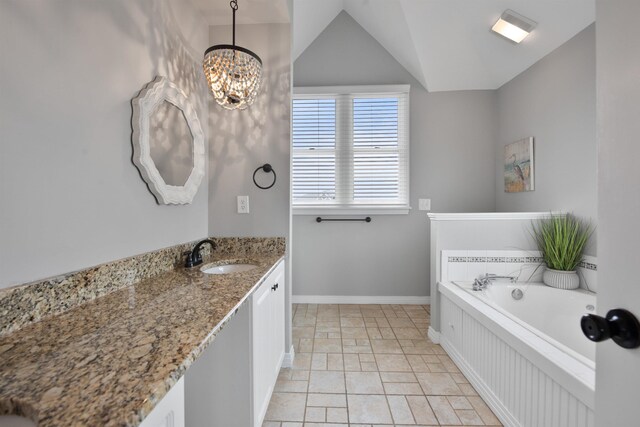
[[168, 142]]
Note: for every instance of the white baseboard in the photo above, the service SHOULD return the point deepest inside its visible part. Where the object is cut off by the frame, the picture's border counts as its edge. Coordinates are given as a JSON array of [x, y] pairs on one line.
[[287, 362], [433, 335], [354, 299], [498, 408]]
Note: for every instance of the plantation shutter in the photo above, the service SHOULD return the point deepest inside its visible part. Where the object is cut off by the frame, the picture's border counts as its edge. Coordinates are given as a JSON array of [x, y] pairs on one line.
[[351, 149]]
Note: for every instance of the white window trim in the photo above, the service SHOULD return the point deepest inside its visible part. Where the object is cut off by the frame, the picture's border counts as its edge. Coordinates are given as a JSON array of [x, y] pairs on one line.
[[378, 209]]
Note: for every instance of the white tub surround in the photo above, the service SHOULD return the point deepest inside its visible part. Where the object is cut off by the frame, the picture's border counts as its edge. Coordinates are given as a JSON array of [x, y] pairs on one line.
[[527, 377], [474, 231]]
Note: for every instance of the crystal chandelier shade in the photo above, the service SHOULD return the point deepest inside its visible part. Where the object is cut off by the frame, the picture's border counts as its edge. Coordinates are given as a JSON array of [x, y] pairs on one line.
[[233, 73]]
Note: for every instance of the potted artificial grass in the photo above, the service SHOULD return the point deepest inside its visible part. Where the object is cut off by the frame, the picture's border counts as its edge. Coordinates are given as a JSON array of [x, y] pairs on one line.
[[561, 239]]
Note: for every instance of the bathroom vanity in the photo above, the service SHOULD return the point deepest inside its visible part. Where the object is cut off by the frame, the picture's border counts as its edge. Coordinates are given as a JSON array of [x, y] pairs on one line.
[[179, 348]]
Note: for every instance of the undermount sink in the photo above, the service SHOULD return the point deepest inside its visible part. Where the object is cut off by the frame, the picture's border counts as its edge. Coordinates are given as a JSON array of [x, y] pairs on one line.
[[228, 268], [15, 421]]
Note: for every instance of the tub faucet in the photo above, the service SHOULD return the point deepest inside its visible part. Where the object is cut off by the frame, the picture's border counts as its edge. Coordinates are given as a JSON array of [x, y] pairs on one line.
[[194, 257], [483, 281]]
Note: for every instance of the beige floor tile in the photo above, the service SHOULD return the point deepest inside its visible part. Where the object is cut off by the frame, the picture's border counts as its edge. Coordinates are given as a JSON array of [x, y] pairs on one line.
[[329, 345], [467, 390], [302, 361], [326, 382], [387, 333], [327, 400], [354, 333], [326, 425], [367, 358], [351, 362], [403, 388], [398, 377], [444, 412], [333, 327], [351, 322], [421, 410], [348, 341], [438, 384], [374, 333], [319, 362], [417, 364], [306, 345], [365, 409], [335, 362], [291, 386], [407, 333], [356, 349], [459, 402], [383, 322], [483, 410], [363, 383], [341, 348], [386, 346], [401, 323], [368, 367], [459, 378], [392, 363], [315, 415], [303, 331], [469, 417], [337, 415], [400, 410], [299, 375], [436, 367], [286, 407]]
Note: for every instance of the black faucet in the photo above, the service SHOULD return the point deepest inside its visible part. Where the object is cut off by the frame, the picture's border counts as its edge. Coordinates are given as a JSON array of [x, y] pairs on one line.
[[194, 258]]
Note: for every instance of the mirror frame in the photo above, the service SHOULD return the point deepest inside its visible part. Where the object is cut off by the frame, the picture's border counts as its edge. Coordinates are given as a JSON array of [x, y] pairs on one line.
[[149, 98]]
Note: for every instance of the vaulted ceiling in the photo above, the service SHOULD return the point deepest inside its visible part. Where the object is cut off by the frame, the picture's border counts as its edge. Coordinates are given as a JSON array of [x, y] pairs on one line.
[[444, 44]]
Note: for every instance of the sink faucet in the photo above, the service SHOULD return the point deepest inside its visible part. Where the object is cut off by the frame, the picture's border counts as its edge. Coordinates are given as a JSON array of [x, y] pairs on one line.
[[483, 281], [194, 257]]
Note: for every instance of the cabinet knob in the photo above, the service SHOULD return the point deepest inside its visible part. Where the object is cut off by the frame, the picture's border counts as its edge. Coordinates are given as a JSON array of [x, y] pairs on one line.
[[274, 287]]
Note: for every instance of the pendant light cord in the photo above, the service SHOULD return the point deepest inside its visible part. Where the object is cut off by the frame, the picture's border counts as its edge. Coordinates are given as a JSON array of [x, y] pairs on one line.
[[234, 7]]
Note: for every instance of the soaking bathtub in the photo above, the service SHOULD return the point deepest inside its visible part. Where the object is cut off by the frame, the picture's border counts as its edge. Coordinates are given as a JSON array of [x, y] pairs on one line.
[[527, 357]]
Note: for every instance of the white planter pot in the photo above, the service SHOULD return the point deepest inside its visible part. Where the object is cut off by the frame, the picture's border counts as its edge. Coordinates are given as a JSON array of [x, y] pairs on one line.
[[561, 279]]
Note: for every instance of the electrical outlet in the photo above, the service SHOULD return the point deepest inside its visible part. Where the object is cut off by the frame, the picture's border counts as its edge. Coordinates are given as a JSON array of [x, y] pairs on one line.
[[424, 204], [243, 204]]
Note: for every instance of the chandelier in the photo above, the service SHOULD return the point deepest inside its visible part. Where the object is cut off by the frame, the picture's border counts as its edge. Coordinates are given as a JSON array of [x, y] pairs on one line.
[[233, 73]]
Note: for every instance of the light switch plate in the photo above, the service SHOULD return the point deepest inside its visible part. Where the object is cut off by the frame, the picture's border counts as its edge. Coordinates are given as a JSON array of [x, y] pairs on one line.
[[424, 204], [243, 204]]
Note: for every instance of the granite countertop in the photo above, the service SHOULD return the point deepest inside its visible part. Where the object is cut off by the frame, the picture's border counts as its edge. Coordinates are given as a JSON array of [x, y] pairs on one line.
[[109, 361]]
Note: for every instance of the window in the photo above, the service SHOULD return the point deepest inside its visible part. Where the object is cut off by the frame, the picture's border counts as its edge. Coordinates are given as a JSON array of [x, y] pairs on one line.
[[351, 149]]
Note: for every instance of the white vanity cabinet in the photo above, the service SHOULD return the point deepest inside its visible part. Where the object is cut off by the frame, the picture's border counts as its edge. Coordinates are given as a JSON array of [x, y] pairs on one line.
[[169, 412], [268, 307], [231, 382]]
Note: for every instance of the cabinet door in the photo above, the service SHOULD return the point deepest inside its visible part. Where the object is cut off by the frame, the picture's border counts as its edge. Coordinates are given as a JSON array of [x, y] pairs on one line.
[[169, 412], [277, 320], [262, 350]]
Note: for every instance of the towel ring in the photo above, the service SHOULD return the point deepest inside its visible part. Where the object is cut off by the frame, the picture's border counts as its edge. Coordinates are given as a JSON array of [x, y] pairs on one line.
[[266, 168]]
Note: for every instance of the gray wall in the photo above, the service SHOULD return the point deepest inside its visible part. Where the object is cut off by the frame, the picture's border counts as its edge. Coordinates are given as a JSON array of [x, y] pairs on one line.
[[452, 162], [243, 140], [555, 102], [618, 88], [70, 196]]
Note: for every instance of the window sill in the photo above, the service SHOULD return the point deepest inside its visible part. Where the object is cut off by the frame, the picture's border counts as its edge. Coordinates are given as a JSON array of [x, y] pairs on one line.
[[359, 210]]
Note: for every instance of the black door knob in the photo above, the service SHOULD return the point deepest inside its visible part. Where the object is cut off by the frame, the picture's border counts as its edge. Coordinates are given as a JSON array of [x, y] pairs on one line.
[[619, 325]]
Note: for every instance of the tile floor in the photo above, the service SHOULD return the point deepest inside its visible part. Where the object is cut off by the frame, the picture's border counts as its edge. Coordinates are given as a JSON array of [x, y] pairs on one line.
[[369, 366]]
